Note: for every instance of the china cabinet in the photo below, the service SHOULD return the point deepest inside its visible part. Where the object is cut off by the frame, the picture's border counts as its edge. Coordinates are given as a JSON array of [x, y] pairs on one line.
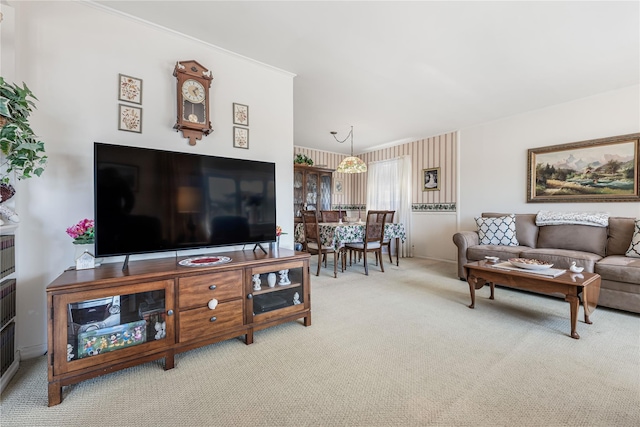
[[311, 189], [105, 319]]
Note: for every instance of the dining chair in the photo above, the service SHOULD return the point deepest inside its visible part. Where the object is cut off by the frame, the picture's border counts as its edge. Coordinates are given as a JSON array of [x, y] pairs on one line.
[[313, 243], [373, 236], [387, 242], [332, 216]]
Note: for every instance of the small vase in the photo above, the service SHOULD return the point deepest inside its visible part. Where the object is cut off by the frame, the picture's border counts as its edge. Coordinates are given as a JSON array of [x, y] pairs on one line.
[[275, 246], [271, 280]]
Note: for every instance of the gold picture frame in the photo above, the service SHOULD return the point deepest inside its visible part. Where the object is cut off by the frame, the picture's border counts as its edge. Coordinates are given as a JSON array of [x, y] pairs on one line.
[[597, 170], [431, 179]]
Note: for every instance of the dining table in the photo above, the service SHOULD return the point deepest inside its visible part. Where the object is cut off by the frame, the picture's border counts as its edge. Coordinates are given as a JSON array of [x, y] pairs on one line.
[[338, 234]]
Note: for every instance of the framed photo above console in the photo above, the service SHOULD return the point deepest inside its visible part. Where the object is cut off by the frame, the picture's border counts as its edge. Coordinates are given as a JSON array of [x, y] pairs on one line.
[[598, 170]]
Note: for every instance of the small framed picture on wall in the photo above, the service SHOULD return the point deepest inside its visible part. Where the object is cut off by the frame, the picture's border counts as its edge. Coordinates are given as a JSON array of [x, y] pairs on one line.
[[240, 114], [130, 89], [431, 179], [338, 186], [240, 137], [129, 118]]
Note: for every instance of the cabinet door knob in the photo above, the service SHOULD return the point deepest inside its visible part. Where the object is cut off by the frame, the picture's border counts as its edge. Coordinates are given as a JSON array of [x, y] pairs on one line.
[[170, 313], [212, 304], [212, 287], [250, 296], [213, 319]]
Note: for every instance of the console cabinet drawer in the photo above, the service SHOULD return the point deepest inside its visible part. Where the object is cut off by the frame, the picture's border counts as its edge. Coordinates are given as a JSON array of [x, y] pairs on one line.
[[202, 323], [197, 291]]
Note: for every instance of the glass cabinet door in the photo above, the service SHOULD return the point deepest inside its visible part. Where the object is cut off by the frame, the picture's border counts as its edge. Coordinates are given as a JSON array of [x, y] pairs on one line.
[[312, 191], [100, 323], [298, 195], [276, 289], [325, 193]]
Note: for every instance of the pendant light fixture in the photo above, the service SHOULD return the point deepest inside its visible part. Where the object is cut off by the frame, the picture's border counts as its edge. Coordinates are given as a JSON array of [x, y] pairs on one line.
[[350, 164]]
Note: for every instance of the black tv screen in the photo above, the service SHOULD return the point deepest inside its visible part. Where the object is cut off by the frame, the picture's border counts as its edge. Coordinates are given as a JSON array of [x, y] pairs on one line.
[[150, 200]]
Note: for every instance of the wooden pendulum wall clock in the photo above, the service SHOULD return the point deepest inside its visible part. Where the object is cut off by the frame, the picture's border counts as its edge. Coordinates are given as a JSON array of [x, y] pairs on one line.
[[194, 82]]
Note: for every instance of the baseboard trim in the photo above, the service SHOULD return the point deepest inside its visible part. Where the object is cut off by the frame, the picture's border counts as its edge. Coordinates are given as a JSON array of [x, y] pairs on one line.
[[33, 351]]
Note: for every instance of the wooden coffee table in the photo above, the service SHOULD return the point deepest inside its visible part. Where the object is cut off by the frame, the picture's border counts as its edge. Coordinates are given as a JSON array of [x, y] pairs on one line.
[[570, 284]]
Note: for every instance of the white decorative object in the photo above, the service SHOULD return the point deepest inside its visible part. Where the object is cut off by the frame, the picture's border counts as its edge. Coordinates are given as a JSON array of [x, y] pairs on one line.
[[70, 354], [271, 279], [204, 261], [284, 278], [634, 247], [84, 258], [161, 330], [595, 219], [530, 264], [296, 299], [256, 282], [497, 231], [9, 214], [575, 268], [212, 304]]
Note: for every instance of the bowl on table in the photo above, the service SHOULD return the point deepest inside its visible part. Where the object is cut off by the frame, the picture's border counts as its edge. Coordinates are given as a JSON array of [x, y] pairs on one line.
[[530, 264]]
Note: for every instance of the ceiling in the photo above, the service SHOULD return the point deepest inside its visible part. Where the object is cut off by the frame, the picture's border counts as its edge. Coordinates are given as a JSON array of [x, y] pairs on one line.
[[402, 71]]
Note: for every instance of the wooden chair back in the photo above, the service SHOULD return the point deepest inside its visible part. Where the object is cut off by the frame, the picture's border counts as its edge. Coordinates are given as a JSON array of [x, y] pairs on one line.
[[311, 229], [374, 228], [389, 218], [332, 216]]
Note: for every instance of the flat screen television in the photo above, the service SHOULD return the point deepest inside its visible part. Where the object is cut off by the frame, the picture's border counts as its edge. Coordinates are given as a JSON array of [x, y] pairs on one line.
[[149, 200]]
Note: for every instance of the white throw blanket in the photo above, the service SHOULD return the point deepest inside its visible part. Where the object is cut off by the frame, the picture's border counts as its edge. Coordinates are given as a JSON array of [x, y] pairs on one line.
[[596, 219]]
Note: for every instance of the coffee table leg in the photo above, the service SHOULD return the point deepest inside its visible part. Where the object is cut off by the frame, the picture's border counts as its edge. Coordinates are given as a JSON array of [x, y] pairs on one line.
[[574, 303], [472, 280], [493, 287], [590, 296]]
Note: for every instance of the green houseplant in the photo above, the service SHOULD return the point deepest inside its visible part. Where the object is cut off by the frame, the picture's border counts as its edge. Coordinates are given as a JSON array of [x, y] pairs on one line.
[[22, 152], [302, 159]]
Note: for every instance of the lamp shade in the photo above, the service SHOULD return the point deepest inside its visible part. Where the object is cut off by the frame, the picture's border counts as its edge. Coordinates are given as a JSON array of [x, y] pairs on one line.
[[352, 164]]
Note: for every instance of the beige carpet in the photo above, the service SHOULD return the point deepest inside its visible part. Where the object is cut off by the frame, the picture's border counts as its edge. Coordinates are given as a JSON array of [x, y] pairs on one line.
[[393, 349]]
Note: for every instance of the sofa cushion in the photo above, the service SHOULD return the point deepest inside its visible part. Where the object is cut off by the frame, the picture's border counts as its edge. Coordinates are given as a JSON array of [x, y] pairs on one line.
[[497, 231], [562, 258], [526, 228], [583, 238], [478, 252], [620, 233], [634, 246], [620, 269]]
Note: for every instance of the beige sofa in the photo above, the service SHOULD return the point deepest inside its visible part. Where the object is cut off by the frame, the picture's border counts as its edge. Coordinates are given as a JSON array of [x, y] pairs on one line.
[[597, 249]]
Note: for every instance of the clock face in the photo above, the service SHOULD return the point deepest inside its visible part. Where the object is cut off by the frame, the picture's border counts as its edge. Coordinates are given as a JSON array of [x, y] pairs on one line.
[[193, 91]]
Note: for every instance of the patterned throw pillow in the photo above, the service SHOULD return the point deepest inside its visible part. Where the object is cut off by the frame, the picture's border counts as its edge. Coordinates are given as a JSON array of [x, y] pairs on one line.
[[634, 247], [497, 231]]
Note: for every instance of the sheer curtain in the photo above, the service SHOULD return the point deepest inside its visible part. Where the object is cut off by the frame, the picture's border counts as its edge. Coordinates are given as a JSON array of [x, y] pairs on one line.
[[389, 188]]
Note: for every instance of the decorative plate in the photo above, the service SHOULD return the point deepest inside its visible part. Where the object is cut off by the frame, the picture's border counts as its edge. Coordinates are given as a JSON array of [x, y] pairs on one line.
[[204, 261], [530, 264]]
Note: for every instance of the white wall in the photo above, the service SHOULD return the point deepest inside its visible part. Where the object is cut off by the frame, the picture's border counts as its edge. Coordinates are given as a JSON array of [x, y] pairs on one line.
[[70, 54], [493, 156]]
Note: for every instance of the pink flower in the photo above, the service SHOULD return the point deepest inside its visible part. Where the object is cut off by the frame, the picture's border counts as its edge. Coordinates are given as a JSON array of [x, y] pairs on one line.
[[82, 232]]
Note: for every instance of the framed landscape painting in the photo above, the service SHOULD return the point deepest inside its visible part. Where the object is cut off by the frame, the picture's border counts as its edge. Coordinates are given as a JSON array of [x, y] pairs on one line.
[[599, 170]]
